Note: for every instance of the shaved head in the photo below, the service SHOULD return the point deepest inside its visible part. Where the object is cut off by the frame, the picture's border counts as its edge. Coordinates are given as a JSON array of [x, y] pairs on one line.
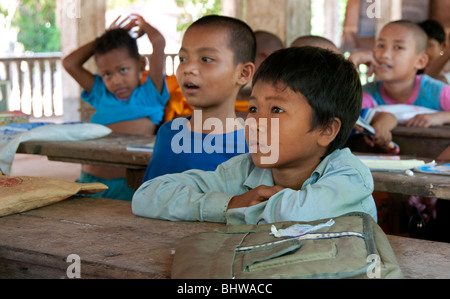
[[419, 35], [315, 41]]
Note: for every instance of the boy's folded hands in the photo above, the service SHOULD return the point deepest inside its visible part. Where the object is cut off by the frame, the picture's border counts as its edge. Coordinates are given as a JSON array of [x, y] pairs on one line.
[[254, 197]]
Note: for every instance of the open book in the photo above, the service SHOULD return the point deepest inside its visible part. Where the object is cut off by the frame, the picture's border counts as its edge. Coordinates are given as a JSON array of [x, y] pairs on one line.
[[404, 112]]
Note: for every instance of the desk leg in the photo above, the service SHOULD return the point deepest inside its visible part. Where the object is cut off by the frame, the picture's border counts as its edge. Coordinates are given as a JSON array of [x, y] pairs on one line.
[[445, 155], [396, 214], [134, 178]]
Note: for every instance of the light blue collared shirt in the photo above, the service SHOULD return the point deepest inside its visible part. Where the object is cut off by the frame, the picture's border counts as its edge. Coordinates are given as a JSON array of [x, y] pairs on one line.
[[340, 184]]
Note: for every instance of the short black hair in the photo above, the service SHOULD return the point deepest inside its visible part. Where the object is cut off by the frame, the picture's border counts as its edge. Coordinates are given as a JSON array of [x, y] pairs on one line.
[[434, 30], [242, 39], [329, 82], [116, 39]]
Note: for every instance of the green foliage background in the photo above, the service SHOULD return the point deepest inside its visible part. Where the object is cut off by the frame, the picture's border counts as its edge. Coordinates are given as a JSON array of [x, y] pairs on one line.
[[36, 24], [203, 7]]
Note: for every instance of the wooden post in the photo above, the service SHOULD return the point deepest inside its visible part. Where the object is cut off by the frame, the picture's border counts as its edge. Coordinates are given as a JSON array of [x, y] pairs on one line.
[[298, 19], [233, 8], [288, 20], [391, 10], [81, 22], [331, 19]]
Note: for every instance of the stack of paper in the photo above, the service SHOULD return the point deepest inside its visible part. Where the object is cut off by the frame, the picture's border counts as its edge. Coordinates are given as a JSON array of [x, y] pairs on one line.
[[390, 163], [141, 147]]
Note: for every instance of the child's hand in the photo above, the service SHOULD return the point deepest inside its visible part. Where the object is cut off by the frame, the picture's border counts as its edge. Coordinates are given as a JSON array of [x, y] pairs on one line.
[[253, 197], [429, 120], [134, 20], [364, 57], [116, 25], [383, 124], [140, 23], [383, 136], [425, 206]]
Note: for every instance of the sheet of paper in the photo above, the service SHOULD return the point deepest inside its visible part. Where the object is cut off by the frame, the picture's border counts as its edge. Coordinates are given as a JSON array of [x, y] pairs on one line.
[[392, 164]]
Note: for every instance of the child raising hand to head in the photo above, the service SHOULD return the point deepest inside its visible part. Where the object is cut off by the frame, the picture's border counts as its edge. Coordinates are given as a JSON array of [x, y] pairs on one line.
[[120, 100]]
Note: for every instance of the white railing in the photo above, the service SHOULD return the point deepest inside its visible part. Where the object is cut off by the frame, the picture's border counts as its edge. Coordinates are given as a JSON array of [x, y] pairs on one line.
[[35, 84]]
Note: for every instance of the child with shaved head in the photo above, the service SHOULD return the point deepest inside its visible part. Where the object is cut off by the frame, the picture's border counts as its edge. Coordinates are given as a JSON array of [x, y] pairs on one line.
[[315, 41], [400, 51]]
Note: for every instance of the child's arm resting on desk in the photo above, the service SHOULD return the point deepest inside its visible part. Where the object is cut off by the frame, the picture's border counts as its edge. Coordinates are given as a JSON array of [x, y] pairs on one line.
[[194, 195], [429, 120], [345, 186], [331, 196]]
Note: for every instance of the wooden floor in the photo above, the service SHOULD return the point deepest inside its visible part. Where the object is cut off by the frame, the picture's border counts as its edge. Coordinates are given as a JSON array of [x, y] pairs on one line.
[[36, 165]]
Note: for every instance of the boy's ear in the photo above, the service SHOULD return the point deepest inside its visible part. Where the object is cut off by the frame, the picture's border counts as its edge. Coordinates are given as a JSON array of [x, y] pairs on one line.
[[329, 132], [246, 73], [422, 61]]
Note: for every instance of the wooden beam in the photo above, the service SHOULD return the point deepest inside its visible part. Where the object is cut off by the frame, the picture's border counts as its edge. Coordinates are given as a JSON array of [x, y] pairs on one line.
[[81, 22], [260, 15], [331, 21], [391, 10], [291, 18], [298, 19]]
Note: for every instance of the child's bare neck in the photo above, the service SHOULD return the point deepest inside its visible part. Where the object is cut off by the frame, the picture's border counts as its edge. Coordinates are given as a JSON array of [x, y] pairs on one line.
[[294, 177], [400, 91]]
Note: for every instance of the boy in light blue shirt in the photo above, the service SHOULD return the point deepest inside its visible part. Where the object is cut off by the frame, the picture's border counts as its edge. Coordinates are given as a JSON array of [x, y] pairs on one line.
[[304, 104]]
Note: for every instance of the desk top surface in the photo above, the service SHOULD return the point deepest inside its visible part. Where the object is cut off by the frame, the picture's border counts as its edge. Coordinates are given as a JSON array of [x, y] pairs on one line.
[[421, 184], [113, 243], [111, 149]]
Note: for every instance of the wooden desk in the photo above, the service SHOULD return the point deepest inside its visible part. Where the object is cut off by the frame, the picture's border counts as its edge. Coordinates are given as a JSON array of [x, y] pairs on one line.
[[416, 142], [113, 243], [420, 184], [108, 151], [422, 142], [111, 151]]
